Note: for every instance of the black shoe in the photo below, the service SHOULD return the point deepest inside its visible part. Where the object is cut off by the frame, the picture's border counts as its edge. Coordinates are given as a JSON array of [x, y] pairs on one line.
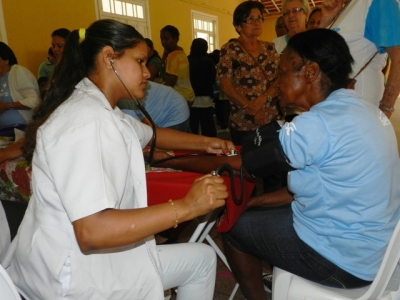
[[267, 280]]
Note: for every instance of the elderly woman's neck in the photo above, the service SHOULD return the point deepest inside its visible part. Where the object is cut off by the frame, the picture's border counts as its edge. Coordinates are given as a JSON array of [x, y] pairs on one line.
[[251, 46], [330, 10], [248, 40]]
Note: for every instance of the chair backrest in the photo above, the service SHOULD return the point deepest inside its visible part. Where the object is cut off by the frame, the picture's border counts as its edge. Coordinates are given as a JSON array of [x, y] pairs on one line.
[[8, 291], [388, 265]]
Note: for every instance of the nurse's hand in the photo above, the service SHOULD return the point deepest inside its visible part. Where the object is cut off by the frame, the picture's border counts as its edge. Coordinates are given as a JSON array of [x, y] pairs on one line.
[[206, 194], [216, 145]]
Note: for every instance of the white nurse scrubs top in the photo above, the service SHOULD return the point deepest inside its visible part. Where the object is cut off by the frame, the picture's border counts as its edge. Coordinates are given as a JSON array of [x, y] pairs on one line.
[[88, 158]]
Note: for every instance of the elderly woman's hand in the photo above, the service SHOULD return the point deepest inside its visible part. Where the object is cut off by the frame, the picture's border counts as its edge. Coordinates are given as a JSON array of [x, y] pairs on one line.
[[12, 151], [255, 105], [260, 118], [3, 106]]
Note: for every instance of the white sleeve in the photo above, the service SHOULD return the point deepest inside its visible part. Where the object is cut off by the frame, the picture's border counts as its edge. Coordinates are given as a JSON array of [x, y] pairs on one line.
[[26, 87]]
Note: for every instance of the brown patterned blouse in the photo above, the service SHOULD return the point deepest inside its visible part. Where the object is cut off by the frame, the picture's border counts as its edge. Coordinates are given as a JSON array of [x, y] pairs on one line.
[[248, 80]]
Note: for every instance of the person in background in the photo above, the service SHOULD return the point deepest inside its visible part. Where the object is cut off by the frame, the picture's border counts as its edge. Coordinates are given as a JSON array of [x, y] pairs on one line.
[[337, 225], [154, 63], [202, 78], [280, 27], [58, 38], [46, 68], [11, 151], [314, 19], [5, 237], [166, 107], [221, 101], [42, 82], [247, 70], [369, 27], [295, 14], [19, 90], [88, 217], [176, 63]]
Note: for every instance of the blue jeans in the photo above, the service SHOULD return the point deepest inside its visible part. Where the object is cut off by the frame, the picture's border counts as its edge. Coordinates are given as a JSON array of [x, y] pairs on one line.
[[268, 233]]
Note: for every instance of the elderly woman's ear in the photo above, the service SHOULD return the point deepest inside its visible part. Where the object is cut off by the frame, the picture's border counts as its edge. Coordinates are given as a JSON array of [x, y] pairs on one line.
[[312, 71]]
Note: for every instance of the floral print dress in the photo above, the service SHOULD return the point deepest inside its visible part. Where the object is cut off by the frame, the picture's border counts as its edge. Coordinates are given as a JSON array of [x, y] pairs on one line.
[[249, 81]]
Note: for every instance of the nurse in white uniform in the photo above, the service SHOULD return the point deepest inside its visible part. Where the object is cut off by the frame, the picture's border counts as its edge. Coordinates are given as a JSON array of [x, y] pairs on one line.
[[88, 233]]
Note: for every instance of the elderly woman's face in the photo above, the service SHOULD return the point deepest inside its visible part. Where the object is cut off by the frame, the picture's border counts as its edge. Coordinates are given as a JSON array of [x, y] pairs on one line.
[[294, 16], [291, 81], [252, 25]]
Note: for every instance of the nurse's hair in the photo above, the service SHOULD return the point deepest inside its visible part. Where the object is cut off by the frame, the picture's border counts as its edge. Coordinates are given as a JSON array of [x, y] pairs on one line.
[[304, 5], [329, 50], [79, 61]]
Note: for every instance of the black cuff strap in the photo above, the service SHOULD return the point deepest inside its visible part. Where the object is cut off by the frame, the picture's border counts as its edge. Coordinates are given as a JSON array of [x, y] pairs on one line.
[[262, 152]]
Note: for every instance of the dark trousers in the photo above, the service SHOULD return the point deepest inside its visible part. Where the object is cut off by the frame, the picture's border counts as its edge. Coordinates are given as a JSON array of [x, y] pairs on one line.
[[268, 233], [203, 117], [222, 111]]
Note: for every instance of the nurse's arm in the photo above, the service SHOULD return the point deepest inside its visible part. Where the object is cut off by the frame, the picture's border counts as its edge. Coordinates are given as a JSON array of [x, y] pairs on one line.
[[176, 140], [113, 228]]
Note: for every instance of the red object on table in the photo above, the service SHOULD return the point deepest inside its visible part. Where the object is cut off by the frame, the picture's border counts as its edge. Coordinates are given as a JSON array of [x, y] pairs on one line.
[[15, 179], [162, 186]]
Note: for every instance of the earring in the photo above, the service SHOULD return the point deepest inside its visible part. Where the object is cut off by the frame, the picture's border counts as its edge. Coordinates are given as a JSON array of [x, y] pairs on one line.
[[109, 67]]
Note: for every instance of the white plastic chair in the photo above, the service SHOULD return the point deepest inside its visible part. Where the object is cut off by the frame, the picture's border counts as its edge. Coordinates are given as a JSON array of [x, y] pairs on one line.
[[287, 286], [8, 291]]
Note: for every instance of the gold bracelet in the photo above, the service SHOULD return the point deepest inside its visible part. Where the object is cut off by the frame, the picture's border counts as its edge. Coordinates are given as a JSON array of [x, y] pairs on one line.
[[176, 213], [387, 107]]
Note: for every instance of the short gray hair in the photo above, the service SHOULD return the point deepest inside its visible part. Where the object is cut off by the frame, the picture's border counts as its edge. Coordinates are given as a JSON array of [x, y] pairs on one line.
[[304, 5]]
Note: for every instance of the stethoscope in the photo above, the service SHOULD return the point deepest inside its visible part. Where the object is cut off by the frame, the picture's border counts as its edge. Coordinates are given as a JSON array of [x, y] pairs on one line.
[[223, 167], [142, 109]]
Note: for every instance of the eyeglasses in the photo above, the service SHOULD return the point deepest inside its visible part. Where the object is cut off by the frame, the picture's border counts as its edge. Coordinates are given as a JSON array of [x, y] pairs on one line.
[[252, 20], [294, 11]]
